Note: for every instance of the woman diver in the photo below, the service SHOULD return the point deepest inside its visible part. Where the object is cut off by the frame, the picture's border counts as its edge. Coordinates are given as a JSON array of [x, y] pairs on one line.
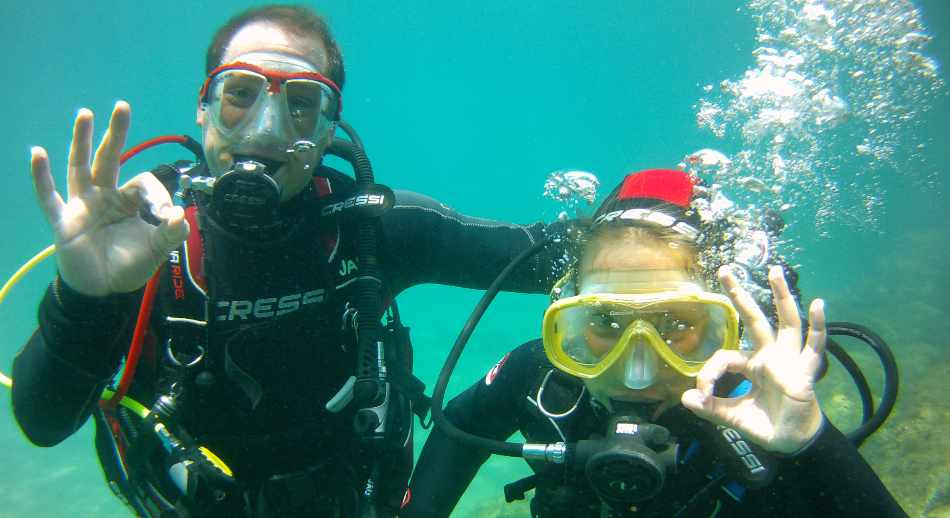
[[642, 400]]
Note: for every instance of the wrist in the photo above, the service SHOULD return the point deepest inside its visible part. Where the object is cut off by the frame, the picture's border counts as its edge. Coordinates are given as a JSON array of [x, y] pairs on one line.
[[74, 302], [814, 429]]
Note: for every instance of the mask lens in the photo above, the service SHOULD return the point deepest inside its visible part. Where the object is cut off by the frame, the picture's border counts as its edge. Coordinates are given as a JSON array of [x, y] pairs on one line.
[[588, 332], [693, 331], [311, 106], [234, 95]]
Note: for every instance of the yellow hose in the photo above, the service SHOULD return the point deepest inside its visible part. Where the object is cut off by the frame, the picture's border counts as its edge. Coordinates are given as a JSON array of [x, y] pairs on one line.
[[127, 402], [5, 380], [12, 281], [29, 265]]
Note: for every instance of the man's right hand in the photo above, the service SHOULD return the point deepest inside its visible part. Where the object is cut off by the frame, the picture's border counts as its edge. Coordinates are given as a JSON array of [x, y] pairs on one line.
[[103, 246]]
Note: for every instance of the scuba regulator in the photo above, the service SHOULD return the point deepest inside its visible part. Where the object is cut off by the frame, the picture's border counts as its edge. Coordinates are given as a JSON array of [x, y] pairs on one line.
[[245, 200], [630, 463]]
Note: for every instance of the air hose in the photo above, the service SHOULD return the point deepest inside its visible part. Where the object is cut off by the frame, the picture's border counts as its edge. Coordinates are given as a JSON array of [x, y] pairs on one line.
[[370, 390], [860, 382], [508, 449], [367, 301], [872, 419]]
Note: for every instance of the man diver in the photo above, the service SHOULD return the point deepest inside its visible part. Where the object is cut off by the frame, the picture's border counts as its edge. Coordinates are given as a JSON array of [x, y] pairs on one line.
[[253, 331]]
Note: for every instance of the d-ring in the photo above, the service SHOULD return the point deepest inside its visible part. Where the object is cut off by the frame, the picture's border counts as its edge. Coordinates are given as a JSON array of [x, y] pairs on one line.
[[178, 363], [541, 404]]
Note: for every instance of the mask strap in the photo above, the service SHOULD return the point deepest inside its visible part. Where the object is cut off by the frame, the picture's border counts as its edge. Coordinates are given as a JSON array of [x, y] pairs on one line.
[[564, 287]]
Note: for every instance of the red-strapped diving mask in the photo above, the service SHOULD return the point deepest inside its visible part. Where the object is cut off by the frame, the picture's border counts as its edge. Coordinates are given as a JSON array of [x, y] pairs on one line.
[[257, 106]]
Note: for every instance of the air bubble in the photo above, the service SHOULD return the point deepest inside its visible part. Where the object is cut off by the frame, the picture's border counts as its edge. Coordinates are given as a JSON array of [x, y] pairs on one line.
[[826, 74]]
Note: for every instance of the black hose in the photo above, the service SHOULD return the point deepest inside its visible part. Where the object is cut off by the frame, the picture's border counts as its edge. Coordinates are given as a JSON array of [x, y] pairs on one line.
[[867, 402], [367, 299], [195, 147], [350, 133], [371, 385], [891, 378], [508, 449]]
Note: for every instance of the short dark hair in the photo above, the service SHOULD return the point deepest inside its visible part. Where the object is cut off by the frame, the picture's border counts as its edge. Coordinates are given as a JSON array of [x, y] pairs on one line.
[[297, 19]]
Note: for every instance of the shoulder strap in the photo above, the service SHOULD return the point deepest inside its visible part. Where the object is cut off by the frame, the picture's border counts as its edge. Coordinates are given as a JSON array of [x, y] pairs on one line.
[[194, 252]]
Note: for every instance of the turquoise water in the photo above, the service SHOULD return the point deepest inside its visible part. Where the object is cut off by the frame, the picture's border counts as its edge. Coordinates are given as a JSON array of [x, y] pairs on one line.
[[474, 103]]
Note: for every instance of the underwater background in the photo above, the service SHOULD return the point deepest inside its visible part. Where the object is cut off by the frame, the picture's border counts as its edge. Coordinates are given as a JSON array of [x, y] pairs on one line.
[[476, 102]]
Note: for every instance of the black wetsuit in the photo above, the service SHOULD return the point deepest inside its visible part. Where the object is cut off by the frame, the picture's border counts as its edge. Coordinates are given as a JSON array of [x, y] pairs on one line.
[[276, 345], [830, 478]]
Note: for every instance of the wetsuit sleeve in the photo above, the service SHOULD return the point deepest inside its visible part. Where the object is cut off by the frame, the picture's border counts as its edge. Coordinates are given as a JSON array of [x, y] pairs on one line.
[[831, 476], [427, 242], [60, 373], [489, 408]]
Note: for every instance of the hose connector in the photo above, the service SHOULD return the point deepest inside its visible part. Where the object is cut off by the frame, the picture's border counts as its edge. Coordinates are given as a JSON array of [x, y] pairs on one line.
[[555, 453]]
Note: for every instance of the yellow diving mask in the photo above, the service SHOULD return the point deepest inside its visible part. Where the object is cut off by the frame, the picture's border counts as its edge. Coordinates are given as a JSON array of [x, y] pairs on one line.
[[641, 318]]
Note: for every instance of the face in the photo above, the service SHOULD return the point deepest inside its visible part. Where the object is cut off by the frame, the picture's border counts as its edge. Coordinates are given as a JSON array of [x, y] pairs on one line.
[[680, 324], [269, 47]]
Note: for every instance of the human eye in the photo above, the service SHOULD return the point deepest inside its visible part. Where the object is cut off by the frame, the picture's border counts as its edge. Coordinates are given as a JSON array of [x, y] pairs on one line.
[[301, 106], [678, 326], [603, 324], [672, 324], [239, 95], [303, 98]]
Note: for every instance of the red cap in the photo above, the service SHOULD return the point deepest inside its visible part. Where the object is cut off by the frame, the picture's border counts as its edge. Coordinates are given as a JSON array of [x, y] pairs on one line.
[[668, 185], [665, 190]]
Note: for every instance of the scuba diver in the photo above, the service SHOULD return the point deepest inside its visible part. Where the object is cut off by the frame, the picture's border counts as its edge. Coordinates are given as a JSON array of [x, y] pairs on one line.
[[658, 388], [269, 374]]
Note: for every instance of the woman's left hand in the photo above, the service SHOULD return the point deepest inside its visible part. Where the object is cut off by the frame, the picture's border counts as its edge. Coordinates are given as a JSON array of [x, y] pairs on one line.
[[780, 412]]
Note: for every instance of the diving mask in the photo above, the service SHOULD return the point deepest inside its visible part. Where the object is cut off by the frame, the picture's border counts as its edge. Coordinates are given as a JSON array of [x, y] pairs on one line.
[[270, 107], [641, 318]]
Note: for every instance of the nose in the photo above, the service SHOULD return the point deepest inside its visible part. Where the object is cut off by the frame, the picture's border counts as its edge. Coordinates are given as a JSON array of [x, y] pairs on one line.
[[268, 132]]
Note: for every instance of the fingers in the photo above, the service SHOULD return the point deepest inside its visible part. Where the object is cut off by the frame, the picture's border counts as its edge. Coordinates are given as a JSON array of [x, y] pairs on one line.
[[786, 308], [701, 400], [721, 362], [105, 167], [817, 332], [717, 410], [817, 336], [44, 186], [78, 176], [173, 229], [170, 234], [757, 325], [145, 188]]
